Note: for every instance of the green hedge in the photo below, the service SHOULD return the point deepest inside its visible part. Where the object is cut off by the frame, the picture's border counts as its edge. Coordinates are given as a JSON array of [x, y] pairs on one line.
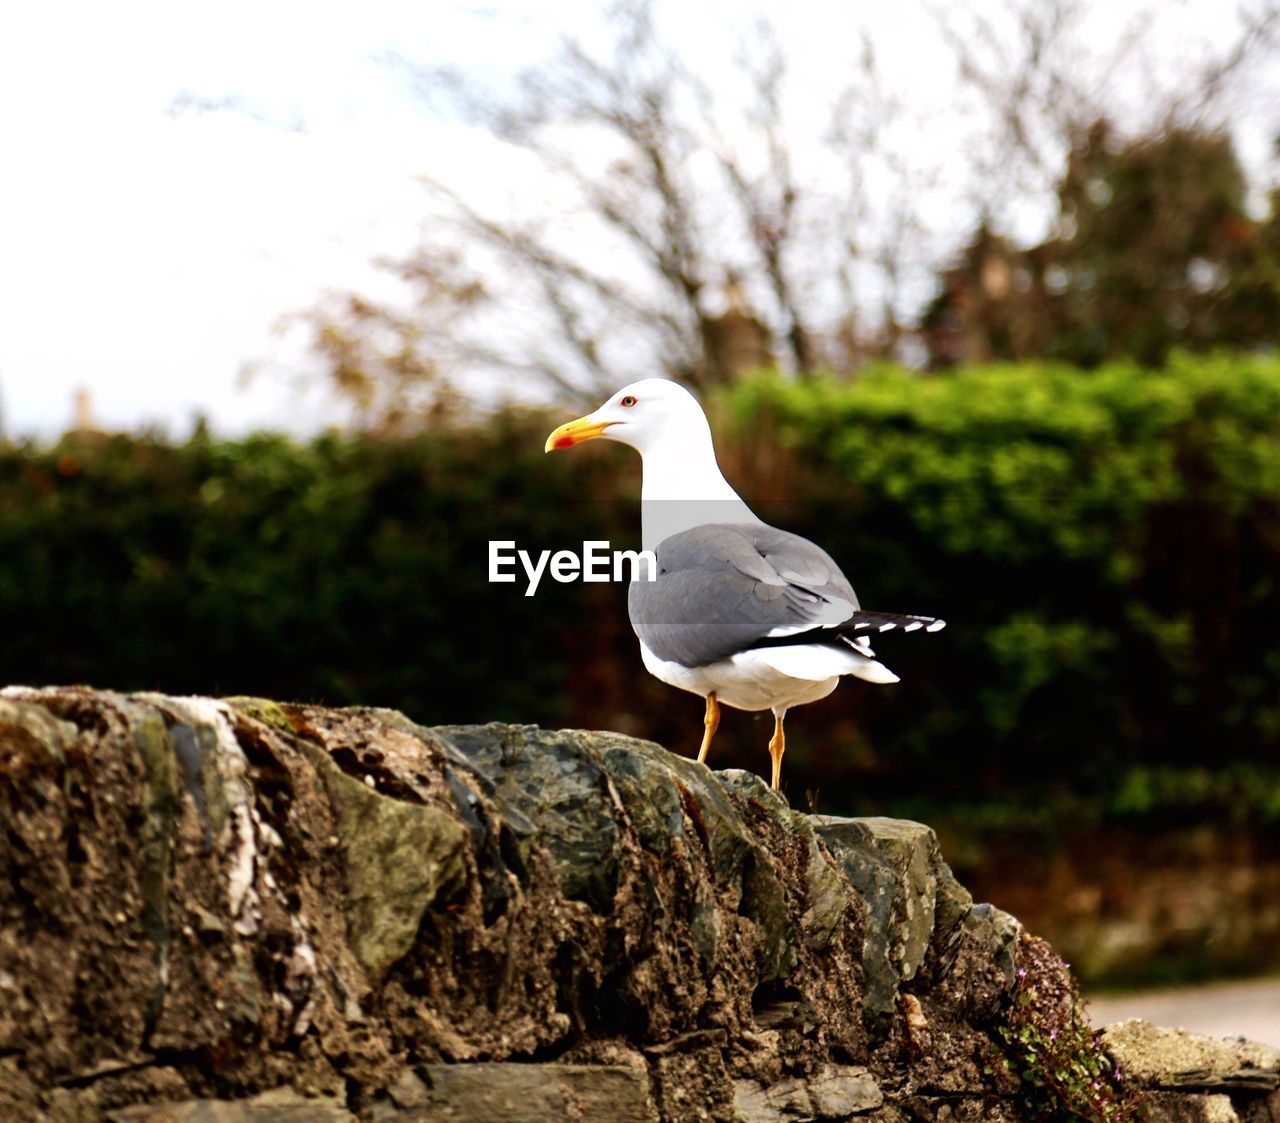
[[1105, 546], [345, 570]]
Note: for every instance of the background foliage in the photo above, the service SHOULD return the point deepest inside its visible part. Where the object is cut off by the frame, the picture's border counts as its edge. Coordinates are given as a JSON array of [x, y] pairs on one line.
[[1087, 193], [1105, 545]]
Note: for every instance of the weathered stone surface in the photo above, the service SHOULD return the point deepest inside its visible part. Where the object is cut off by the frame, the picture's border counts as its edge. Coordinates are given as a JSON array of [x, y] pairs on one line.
[[1173, 1058], [565, 794], [963, 1109], [1171, 1107], [241, 910], [916, 909], [833, 1092], [839, 1090], [1239, 1079], [280, 1106], [522, 1093], [400, 858], [1260, 1109], [22, 722]]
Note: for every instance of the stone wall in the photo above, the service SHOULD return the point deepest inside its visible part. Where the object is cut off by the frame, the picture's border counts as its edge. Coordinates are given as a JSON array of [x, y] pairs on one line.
[[237, 910]]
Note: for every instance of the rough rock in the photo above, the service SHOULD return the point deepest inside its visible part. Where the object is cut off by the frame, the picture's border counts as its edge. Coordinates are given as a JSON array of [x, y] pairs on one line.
[[1166, 1107], [497, 1092], [239, 910], [279, 1106], [913, 903], [833, 1092], [1195, 1079], [1174, 1058]]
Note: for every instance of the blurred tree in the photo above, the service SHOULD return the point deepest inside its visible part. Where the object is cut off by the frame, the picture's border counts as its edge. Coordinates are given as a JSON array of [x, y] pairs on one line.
[[685, 218], [387, 363], [724, 255], [679, 232], [1153, 249], [1044, 72], [1151, 244]]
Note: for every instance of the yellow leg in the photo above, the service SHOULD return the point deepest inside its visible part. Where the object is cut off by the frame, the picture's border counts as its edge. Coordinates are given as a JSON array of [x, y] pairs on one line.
[[711, 723], [777, 746]]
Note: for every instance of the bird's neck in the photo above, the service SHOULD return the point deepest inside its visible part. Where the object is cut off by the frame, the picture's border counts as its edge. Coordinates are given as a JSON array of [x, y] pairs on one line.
[[683, 487]]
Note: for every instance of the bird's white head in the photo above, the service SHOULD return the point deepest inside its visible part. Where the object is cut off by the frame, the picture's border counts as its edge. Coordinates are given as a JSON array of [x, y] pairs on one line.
[[683, 486], [643, 415]]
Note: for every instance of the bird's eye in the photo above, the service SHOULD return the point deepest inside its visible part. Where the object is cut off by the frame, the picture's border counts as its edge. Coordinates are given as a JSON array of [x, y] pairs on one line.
[[628, 401]]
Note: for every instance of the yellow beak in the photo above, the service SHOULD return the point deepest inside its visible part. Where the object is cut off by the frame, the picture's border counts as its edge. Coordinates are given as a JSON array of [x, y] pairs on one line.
[[575, 432]]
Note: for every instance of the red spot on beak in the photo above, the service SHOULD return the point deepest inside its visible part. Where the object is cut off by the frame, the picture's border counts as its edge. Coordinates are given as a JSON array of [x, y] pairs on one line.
[[575, 432]]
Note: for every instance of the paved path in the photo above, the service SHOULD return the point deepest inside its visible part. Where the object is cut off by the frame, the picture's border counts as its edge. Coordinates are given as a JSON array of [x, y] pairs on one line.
[[1248, 1009]]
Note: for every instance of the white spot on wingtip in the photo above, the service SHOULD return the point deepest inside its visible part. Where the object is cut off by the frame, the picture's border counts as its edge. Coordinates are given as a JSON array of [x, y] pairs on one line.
[[936, 626], [913, 626], [888, 627]]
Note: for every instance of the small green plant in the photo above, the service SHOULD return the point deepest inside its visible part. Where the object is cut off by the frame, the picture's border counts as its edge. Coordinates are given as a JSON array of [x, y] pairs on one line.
[[1051, 1047]]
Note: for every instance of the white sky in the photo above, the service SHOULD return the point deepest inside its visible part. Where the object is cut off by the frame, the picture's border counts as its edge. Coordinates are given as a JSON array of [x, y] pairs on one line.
[[147, 253]]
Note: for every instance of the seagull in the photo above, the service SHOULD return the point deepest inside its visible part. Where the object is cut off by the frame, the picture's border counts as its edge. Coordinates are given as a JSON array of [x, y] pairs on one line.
[[738, 612]]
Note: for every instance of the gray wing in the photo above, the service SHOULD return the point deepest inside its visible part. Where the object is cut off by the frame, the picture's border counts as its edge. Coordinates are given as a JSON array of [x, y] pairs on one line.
[[723, 587]]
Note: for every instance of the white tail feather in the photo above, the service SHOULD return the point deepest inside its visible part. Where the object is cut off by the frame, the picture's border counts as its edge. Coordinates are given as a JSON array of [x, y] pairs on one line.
[[815, 662]]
